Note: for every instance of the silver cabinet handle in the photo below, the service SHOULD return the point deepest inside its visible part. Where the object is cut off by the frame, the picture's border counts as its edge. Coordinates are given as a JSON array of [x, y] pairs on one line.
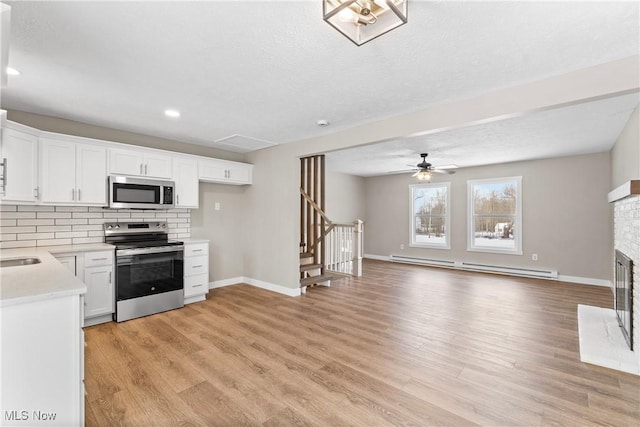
[[73, 194], [177, 198], [36, 192], [78, 194], [145, 169], [141, 173], [4, 175], [197, 266], [109, 277], [99, 259], [197, 250], [197, 286]]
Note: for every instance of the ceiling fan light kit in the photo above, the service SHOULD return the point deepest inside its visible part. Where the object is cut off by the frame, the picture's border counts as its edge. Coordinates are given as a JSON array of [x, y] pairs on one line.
[[426, 169], [363, 20]]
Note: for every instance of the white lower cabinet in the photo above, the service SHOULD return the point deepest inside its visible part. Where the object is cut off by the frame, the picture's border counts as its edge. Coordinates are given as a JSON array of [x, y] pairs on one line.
[[196, 270], [42, 363], [95, 269]]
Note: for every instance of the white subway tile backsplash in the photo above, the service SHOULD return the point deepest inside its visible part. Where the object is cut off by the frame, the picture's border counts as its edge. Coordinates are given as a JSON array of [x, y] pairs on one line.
[[29, 226], [54, 214], [18, 244], [75, 221], [35, 222], [32, 236], [87, 215], [72, 208], [16, 215], [54, 242], [27, 208], [29, 229], [83, 240], [67, 234], [49, 228]]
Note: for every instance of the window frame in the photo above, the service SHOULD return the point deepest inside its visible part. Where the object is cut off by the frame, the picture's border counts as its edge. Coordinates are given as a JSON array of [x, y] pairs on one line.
[[446, 216], [471, 247]]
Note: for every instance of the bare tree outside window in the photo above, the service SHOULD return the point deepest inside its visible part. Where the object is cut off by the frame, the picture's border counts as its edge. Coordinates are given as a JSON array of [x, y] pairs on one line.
[[430, 215], [494, 215]]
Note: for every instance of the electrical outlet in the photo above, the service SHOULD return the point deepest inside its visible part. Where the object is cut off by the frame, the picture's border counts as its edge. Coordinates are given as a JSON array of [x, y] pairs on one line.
[[402, 246], [217, 206], [534, 257]]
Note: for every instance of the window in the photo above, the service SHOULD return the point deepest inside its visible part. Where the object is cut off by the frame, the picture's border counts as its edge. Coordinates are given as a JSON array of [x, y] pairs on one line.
[[430, 215], [495, 215]]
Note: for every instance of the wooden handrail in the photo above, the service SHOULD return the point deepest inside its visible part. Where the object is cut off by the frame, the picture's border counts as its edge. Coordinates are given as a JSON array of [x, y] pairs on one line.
[[315, 207]]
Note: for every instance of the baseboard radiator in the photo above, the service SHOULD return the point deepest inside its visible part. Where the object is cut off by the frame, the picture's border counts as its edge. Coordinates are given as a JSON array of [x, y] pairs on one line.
[[515, 271]]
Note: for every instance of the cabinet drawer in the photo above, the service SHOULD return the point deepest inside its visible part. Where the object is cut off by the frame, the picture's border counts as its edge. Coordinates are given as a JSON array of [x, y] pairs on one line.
[[196, 265], [196, 249], [196, 285], [92, 259]]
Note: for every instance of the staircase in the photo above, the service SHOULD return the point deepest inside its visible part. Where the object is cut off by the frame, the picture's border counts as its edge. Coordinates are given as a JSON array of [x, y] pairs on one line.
[[324, 245]]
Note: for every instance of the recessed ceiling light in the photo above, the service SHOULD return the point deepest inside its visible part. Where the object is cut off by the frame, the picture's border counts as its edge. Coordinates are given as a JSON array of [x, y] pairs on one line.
[[322, 123], [172, 113], [12, 71]]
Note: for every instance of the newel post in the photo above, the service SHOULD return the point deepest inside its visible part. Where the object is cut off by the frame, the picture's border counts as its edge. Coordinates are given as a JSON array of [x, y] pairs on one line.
[[357, 247]]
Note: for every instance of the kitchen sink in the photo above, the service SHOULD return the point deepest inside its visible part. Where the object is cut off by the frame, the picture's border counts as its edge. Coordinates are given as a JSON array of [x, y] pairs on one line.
[[19, 261]]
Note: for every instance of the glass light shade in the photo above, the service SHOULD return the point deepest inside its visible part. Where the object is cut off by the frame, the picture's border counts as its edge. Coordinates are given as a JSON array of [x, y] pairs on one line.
[[363, 20], [424, 176]]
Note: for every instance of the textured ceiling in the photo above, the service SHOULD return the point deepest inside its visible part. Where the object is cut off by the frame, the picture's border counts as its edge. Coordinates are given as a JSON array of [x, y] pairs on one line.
[[266, 71]]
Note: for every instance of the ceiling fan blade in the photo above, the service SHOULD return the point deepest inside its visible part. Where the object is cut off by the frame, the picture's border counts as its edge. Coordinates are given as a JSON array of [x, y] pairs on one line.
[[416, 174], [443, 171], [402, 171]]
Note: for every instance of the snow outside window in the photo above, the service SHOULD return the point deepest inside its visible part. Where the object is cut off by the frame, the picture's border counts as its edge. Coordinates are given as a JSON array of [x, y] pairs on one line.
[[495, 215], [430, 215]]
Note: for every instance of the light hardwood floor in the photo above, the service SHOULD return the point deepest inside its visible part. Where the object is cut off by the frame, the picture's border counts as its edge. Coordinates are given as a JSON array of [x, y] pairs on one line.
[[403, 345]]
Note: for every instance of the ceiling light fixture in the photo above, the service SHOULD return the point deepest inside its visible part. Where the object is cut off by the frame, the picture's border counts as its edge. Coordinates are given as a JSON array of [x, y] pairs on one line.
[[172, 113], [12, 72], [424, 175], [363, 20], [322, 123]]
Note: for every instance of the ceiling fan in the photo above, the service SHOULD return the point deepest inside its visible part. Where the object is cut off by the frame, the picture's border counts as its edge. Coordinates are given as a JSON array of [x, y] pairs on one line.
[[425, 169]]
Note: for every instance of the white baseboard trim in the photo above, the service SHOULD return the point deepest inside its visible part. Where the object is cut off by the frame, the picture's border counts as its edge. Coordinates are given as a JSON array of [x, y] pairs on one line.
[[292, 292], [377, 257], [225, 282], [585, 280]]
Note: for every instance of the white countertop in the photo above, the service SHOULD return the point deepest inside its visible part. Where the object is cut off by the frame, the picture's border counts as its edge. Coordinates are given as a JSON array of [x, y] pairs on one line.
[[193, 240], [47, 280]]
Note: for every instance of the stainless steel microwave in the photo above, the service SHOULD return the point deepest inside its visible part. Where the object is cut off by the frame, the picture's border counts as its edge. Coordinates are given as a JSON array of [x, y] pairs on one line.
[[140, 193]]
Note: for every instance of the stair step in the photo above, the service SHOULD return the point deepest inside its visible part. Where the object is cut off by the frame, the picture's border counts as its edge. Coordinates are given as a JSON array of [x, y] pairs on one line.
[[307, 267], [307, 281], [304, 255]]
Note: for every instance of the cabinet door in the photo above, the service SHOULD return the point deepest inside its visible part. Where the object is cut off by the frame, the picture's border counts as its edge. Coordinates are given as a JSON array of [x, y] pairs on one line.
[[126, 162], [185, 174], [58, 171], [157, 165], [212, 170], [21, 170], [99, 298], [91, 174], [239, 173]]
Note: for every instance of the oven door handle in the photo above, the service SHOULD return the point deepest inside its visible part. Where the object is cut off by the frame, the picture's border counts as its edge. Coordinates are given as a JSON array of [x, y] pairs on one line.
[[145, 251]]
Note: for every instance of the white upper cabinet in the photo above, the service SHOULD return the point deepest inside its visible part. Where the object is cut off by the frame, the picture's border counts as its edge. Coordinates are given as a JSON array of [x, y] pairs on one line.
[[185, 175], [139, 163], [225, 172], [19, 157], [73, 173]]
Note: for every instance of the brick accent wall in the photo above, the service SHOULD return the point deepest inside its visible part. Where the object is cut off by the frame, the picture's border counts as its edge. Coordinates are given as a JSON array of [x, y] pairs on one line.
[[627, 240], [29, 226]]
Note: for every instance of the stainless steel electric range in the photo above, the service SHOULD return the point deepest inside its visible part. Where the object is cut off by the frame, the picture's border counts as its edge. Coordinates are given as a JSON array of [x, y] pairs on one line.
[[149, 269]]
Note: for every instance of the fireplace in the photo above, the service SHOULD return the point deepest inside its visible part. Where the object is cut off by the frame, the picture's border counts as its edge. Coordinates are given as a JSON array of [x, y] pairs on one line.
[[623, 296]]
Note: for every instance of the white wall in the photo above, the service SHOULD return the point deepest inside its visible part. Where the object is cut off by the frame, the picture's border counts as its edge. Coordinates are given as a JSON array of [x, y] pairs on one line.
[[344, 197], [225, 228], [566, 219], [625, 154]]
